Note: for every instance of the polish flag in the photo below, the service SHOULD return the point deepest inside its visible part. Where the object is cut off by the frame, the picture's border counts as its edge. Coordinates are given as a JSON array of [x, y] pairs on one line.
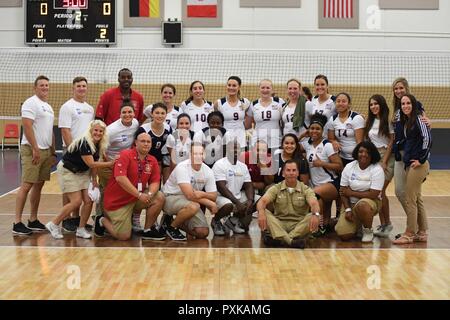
[[202, 8]]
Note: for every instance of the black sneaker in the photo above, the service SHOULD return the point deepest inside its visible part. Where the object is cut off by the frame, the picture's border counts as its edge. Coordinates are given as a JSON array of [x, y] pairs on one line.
[[20, 228], [99, 231], [36, 225], [175, 234], [166, 220], [69, 225], [271, 242], [88, 226], [298, 243], [153, 234]]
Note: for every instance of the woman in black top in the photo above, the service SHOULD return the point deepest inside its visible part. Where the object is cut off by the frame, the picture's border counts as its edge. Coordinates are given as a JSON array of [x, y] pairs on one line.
[[74, 175]]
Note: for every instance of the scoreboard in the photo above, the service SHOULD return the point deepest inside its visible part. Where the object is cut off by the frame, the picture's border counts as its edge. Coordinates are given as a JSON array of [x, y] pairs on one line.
[[70, 22]]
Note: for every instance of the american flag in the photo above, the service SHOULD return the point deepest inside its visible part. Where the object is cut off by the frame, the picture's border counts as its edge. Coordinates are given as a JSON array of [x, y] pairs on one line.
[[341, 9]]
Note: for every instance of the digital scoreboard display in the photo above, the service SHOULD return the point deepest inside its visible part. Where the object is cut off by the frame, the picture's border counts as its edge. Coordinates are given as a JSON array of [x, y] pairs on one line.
[[70, 22]]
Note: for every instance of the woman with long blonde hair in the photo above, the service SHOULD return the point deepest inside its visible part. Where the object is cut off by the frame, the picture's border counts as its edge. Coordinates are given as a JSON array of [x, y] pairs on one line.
[[75, 171]]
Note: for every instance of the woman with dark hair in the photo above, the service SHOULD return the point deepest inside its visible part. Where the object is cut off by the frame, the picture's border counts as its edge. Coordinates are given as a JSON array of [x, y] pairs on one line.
[[323, 103], [380, 132], [168, 92], [233, 107], [214, 138], [306, 92], [197, 107], [324, 166], [346, 128], [417, 145], [290, 150], [361, 183], [179, 142]]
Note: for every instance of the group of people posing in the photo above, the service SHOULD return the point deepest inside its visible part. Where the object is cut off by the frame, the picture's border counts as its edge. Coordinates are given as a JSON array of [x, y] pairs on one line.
[[283, 162]]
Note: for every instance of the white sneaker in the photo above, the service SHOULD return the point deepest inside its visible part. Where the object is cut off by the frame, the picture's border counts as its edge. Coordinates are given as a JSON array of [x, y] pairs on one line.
[[55, 230], [384, 231], [83, 233], [367, 235], [232, 223]]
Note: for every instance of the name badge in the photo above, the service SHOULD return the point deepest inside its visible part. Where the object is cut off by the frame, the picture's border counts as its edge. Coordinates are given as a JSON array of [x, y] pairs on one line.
[[139, 187]]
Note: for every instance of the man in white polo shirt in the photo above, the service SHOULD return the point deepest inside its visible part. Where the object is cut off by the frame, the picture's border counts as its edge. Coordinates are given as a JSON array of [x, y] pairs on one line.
[[185, 197], [37, 154], [236, 193], [74, 118]]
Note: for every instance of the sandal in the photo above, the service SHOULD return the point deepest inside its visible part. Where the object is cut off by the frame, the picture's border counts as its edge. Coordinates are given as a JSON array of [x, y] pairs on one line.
[[421, 237], [404, 239]]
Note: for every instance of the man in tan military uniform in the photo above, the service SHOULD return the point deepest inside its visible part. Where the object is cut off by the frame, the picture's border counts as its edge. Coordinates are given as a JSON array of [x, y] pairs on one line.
[[292, 219]]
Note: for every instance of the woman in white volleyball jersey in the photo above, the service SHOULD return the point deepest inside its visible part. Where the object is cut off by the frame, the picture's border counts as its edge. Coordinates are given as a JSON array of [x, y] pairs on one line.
[[265, 114], [345, 129], [197, 107], [233, 108], [380, 131], [168, 92], [324, 167], [293, 116], [179, 142], [322, 103]]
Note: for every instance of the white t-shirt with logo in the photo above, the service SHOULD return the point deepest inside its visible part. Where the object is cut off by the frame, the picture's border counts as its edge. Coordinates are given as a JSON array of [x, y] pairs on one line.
[[234, 175], [184, 173], [120, 137], [75, 116], [43, 116], [379, 140], [362, 180]]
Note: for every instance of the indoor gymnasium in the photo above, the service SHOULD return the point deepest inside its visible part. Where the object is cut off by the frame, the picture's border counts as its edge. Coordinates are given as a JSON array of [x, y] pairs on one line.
[[323, 127]]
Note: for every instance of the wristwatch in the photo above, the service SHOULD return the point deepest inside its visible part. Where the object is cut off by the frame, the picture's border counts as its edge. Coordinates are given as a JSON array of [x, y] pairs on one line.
[[316, 214]]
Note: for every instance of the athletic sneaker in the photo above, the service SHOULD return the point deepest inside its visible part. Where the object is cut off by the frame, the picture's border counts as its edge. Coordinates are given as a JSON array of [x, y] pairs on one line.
[[99, 231], [83, 233], [153, 234], [69, 226], [166, 220], [218, 228], [367, 235], [233, 224], [175, 234], [384, 231], [21, 229], [36, 225], [55, 230]]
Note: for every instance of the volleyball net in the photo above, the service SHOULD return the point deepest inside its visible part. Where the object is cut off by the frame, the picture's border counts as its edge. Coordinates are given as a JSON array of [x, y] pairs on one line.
[[359, 73]]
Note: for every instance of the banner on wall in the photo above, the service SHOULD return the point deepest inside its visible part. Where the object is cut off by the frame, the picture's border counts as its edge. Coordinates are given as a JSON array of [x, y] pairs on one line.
[[202, 8], [409, 4], [144, 8], [338, 14], [143, 13], [201, 13]]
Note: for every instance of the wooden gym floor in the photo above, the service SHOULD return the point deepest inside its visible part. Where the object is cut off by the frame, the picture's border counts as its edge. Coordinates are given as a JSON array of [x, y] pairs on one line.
[[236, 267]]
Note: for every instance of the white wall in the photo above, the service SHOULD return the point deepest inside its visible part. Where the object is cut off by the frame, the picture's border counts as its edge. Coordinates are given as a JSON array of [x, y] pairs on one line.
[[293, 28]]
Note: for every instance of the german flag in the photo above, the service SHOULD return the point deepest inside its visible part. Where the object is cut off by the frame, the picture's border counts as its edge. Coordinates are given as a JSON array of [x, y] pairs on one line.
[[144, 8]]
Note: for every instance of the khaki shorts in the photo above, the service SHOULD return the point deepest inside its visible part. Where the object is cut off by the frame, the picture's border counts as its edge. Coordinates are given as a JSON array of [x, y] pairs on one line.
[[121, 218], [72, 182], [174, 203], [347, 227], [103, 175], [389, 171], [35, 173]]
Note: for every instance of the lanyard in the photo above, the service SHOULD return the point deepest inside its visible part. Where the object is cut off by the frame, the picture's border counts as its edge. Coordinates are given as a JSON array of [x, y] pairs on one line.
[[140, 169]]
